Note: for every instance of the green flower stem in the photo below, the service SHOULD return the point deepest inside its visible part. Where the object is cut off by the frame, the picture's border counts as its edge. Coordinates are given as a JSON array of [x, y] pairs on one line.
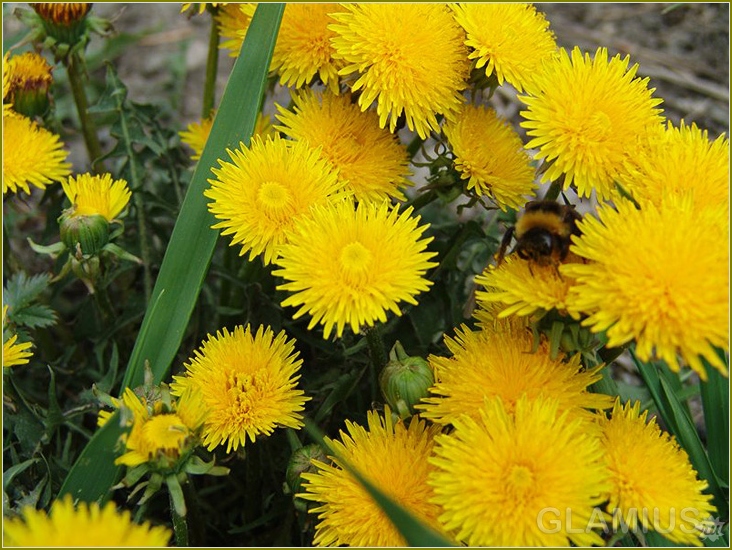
[[180, 526], [212, 66], [420, 201], [378, 358], [136, 184], [88, 128]]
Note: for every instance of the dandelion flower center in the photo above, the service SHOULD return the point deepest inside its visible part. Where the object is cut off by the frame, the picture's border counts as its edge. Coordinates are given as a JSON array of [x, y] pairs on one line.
[[519, 481], [355, 259], [166, 431], [274, 197]]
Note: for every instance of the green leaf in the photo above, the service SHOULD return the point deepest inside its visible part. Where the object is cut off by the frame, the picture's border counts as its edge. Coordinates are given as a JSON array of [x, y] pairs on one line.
[[19, 295], [413, 530], [715, 402], [188, 254], [192, 243]]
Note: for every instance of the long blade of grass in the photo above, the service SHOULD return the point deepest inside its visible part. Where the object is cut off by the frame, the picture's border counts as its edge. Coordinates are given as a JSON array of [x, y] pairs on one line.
[[192, 243], [188, 254], [413, 530], [715, 402]]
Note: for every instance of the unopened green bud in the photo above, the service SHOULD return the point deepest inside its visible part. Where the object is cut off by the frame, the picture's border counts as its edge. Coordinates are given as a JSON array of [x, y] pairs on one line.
[[300, 462], [90, 233], [405, 381]]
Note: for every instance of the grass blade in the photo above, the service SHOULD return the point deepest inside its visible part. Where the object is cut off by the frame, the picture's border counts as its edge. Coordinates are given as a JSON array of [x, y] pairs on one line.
[[715, 401], [188, 255], [192, 243]]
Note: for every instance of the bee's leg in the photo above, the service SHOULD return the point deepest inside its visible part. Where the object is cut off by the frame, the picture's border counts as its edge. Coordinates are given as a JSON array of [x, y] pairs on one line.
[[504, 246]]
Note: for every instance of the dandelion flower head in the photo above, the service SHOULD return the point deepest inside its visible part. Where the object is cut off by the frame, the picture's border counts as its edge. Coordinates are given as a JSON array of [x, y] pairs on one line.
[[497, 476], [233, 21], [491, 363], [247, 383], [587, 116], [84, 525], [393, 457], [348, 266], [509, 40], [489, 154], [97, 195], [409, 58], [370, 159], [14, 353], [659, 276], [652, 480], [162, 435], [525, 288], [31, 155], [265, 189], [681, 161]]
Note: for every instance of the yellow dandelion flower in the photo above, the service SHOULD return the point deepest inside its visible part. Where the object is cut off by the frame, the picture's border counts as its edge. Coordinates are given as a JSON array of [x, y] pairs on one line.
[[304, 49], [587, 117], [81, 526], [652, 481], [658, 276], [390, 455], [410, 59], [527, 478], [489, 154], [679, 162], [266, 189], [509, 40], [246, 383], [348, 267], [233, 21], [196, 134], [370, 159], [525, 287], [97, 195], [31, 155], [160, 436], [491, 363], [14, 354], [6, 75]]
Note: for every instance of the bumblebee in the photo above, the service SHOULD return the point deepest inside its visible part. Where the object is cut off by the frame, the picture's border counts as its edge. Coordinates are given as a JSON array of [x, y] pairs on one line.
[[543, 233]]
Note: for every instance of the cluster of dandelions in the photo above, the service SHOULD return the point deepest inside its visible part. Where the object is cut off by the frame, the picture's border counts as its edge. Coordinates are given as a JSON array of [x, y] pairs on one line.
[[510, 449]]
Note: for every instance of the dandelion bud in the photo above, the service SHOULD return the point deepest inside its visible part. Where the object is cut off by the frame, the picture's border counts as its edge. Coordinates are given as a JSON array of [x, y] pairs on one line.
[[405, 381], [29, 84], [65, 22], [300, 462], [90, 233]]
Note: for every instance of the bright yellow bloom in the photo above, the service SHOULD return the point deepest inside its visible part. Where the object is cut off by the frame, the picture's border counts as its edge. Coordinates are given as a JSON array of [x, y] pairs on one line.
[[409, 58], [233, 21], [489, 154], [14, 354], [493, 363], [527, 478], [161, 436], [525, 287], [681, 162], [97, 195], [200, 6], [246, 383], [509, 40], [392, 457], [267, 188], [31, 155], [658, 276], [372, 162], [30, 76], [196, 134], [348, 267], [652, 481], [587, 116], [304, 50], [6, 76], [84, 525]]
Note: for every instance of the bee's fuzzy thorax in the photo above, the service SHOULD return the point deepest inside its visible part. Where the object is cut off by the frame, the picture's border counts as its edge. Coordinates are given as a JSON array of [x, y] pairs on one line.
[[549, 220]]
